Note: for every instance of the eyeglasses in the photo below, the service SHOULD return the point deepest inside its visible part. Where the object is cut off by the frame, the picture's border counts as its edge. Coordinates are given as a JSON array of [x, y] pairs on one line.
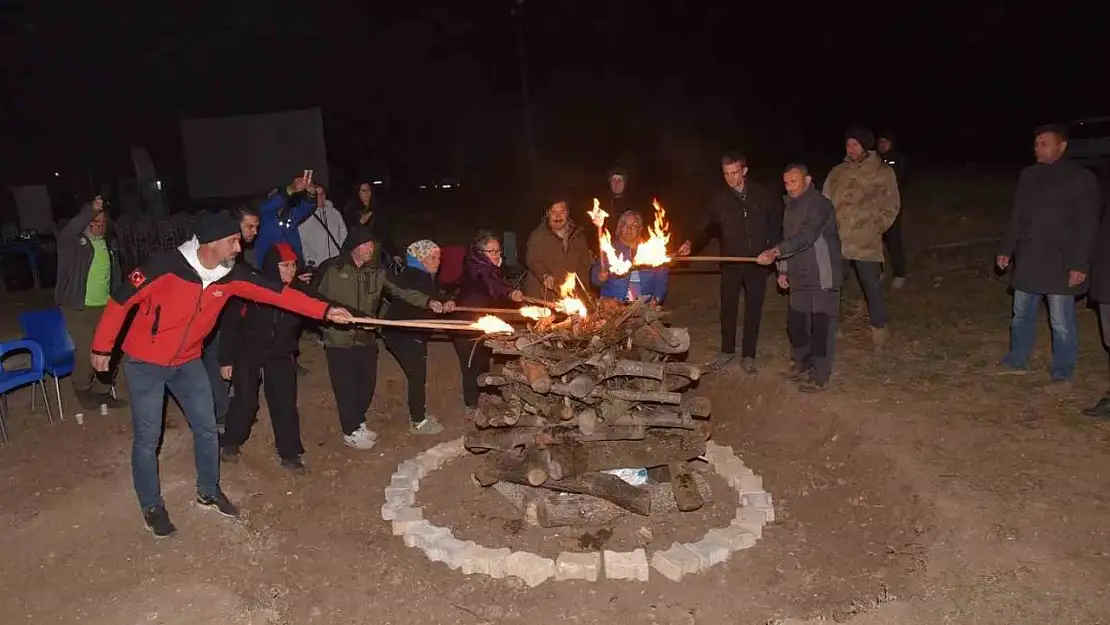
[[496, 251]]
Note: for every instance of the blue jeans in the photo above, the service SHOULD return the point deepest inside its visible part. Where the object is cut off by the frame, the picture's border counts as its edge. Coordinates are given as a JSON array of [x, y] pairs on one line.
[[1023, 330], [211, 358], [189, 384]]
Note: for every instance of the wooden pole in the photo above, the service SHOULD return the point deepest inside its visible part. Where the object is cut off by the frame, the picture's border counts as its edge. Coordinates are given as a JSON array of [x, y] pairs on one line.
[[537, 301], [446, 324], [488, 311], [715, 259]]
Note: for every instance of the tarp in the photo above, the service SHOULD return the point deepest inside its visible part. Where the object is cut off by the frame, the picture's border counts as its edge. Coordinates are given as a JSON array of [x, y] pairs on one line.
[[248, 154], [35, 212]]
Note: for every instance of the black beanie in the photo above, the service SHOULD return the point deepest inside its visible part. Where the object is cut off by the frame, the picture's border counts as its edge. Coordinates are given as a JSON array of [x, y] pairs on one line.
[[214, 226], [863, 135]]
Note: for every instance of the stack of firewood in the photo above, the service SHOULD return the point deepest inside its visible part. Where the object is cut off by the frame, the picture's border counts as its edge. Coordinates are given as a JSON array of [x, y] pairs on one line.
[[586, 395]]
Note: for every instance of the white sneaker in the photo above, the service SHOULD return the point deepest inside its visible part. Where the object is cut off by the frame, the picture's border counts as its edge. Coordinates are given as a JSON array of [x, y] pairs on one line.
[[362, 438]]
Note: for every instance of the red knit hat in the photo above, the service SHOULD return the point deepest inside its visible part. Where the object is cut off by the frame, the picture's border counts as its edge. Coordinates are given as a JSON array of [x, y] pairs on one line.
[[286, 253]]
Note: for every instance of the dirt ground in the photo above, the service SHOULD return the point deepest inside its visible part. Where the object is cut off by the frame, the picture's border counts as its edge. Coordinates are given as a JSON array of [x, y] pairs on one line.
[[922, 489]]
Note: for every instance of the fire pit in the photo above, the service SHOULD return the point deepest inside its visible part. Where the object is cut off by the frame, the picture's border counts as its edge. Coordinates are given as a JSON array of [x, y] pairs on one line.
[[588, 421]]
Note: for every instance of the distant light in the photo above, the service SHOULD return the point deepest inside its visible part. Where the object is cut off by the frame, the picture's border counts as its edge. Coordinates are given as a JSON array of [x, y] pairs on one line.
[[423, 186], [378, 182], [446, 186], [158, 184], [57, 175]]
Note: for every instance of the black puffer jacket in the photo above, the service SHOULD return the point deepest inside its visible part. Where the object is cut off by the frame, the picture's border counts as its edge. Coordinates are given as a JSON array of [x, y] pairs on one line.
[[747, 223], [260, 331]]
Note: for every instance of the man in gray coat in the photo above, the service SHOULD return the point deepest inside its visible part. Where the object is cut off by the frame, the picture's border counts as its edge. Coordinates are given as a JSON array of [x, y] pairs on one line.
[[88, 271], [811, 266], [1048, 251]]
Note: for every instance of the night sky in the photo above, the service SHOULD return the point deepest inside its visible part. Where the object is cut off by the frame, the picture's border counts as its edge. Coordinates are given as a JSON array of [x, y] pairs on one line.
[[434, 87]]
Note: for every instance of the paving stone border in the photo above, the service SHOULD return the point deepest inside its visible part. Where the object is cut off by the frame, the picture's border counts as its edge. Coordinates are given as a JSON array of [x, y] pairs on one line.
[[755, 510]]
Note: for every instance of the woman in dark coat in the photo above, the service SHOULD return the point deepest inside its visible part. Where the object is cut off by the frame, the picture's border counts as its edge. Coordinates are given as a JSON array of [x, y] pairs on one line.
[[362, 209], [483, 284]]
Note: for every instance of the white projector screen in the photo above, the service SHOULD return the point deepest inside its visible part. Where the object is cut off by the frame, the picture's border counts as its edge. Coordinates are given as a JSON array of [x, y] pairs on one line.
[[248, 154]]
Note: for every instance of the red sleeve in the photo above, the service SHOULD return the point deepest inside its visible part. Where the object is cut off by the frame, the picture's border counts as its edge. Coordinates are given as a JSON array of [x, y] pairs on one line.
[[140, 284], [258, 290]]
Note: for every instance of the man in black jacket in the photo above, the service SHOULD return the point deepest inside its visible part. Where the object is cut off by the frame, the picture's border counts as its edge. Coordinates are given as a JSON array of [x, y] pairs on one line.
[[748, 219], [1049, 247], [1100, 293], [257, 345]]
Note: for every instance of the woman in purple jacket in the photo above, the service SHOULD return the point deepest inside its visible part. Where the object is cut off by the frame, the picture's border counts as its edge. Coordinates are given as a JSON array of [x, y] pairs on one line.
[[483, 284]]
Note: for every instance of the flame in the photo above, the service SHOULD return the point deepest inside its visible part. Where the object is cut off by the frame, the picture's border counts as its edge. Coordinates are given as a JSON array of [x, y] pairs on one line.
[[653, 252], [617, 264], [534, 312], [569, 304], [492, 325]]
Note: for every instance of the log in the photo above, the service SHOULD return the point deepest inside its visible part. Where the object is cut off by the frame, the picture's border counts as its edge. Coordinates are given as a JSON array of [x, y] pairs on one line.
[[675, 383], [661, 339], [607, 487], [564, 367], [536, 374], [684, 369], [657, 397], [685, 490], [659, 446], [614, 433], [635, 369], [502, 439], [587, 421], [657, 418], [543, 508], [697, 406]]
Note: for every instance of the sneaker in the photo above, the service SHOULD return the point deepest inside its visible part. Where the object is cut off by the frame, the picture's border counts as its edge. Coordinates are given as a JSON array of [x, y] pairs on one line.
[[813, 386], [220, 503], [897, 283], [428, 427], [720, 361], [878, 337], [294, 464], [362, 438], [158, 522], [229, 454], [747, 365], [1101, 409], [797, 373]]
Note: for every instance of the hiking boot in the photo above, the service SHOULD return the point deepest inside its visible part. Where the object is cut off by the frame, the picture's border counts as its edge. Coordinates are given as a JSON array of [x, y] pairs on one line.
[[158, 522], [721, 361], [428, 427], [897, 283], [747, 365], [813, 386], [294, 464], [229, 454], [362, 438], [1101, 409], [878, 337], [220, 503]]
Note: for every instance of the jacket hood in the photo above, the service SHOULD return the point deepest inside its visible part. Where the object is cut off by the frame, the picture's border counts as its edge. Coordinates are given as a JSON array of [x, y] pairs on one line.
[[189, 250], [356, 236]]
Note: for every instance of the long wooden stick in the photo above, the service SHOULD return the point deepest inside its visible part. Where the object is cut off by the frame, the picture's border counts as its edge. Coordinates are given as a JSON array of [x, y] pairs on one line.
[[420, 325], [488, 311], [715, 259], [537, 301]]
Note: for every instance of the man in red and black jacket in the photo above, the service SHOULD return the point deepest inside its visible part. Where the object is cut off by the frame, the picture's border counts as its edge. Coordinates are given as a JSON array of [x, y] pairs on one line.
[[178, 296]]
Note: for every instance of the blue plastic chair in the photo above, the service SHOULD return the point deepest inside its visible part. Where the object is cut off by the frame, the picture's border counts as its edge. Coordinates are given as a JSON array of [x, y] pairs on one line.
[[47, 327], [15, 378]]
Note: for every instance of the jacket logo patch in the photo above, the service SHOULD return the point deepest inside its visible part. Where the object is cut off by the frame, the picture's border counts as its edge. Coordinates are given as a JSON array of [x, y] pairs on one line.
[[136, 278], [84, 241], [217, 293]]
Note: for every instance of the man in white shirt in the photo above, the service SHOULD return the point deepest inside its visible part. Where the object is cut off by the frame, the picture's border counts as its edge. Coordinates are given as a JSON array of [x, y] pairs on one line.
[[323, 233]]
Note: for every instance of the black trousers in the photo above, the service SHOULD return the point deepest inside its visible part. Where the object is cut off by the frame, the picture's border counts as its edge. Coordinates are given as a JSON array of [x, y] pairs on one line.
[[811, 321], [354, 374], [471, 367], [751, 280], [896, 247], [411, 352], [277, 375]]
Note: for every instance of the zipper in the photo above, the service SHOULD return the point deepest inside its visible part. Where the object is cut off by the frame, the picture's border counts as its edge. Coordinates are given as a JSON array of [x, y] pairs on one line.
[[188, 325], [747, 228]]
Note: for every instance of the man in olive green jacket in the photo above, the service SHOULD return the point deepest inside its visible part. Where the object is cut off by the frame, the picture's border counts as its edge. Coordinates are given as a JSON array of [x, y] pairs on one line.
[[355, 280]]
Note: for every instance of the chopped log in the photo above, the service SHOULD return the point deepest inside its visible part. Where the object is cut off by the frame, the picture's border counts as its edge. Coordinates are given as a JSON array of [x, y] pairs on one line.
[[501, 439], [659, 446], [489, 379], [587, 421], [661, 339], [564, 367], [608, 487], [543, 508], [697, 406], [657, 397], [684, 369], [615, 433], [685, 490], [635, 369], [658, 417], [536, 374], [675, 383]]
